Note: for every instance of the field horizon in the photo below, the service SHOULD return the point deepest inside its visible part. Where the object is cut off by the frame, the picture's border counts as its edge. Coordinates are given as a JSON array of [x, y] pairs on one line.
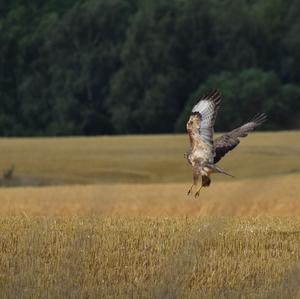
[[140, 159], [147, 175]]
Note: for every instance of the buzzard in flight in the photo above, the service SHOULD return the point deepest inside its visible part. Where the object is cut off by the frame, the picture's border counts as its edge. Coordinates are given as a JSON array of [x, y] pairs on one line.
[[205, 152]]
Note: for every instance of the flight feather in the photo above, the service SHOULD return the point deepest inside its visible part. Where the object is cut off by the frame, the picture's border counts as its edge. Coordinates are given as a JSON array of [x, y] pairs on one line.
[[229, 141], [202, 120]]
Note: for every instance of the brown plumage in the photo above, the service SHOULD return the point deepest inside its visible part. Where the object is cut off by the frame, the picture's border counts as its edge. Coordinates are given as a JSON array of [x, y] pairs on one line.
[[204, 153], [229, 141]]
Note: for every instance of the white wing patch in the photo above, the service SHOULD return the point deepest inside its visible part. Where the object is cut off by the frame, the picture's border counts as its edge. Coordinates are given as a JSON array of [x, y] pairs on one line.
[[208, 107], [206, 110]]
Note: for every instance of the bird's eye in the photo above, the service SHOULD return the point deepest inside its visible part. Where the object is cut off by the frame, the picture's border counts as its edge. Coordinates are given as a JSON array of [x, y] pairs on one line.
[[191, 122]]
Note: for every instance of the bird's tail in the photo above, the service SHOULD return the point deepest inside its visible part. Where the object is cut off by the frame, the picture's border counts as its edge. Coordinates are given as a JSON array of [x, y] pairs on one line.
[[220, 170]]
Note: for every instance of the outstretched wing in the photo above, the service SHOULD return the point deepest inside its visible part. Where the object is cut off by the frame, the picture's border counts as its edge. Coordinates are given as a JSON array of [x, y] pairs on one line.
[[206, 111], [229, 141]]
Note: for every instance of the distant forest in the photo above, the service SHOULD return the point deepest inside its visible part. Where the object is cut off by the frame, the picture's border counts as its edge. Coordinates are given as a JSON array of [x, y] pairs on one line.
[[89, 67]]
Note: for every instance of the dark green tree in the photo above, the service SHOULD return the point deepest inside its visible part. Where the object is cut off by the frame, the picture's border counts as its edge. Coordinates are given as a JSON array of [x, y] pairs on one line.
[[143, 92], [78, 58], [112, 66], [246, 93]]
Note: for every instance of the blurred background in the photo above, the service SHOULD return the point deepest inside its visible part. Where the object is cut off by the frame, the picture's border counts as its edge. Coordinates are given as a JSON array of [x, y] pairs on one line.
[[90, 67]]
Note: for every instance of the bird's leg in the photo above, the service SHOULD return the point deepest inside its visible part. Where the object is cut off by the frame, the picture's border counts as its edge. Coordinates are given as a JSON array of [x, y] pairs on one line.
[[195, 181], [205, 183], [198, 191], [202, 185], [190, 190]]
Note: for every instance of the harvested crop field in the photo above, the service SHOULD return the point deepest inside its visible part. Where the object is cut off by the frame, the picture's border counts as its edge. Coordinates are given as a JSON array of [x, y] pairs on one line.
[[149, 258], [274, 196]]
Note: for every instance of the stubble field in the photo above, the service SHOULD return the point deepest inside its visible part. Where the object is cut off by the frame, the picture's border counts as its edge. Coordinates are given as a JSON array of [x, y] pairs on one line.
[[108, 217]]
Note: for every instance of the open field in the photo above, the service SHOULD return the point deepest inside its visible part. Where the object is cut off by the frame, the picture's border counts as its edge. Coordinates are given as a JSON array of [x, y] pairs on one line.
[[274, 196], [115, 220], [142, 159], [149, 258], [148, 176]]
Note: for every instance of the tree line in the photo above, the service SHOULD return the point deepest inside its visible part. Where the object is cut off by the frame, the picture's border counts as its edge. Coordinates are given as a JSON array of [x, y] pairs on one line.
[[87, 67]]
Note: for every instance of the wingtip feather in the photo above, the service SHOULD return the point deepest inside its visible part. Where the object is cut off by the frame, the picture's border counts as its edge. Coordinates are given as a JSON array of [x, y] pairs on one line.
[[213, 95], [259, 119]]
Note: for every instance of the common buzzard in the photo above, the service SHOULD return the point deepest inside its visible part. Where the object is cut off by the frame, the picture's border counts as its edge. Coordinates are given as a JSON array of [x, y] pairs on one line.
[[205, 152]]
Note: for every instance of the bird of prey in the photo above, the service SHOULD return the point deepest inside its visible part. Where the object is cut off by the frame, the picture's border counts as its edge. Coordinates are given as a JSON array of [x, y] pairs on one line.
[[205, 152]]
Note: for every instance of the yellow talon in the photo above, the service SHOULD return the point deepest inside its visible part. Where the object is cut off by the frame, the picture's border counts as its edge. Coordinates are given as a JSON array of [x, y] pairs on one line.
[[190, 190], [198, 192]]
